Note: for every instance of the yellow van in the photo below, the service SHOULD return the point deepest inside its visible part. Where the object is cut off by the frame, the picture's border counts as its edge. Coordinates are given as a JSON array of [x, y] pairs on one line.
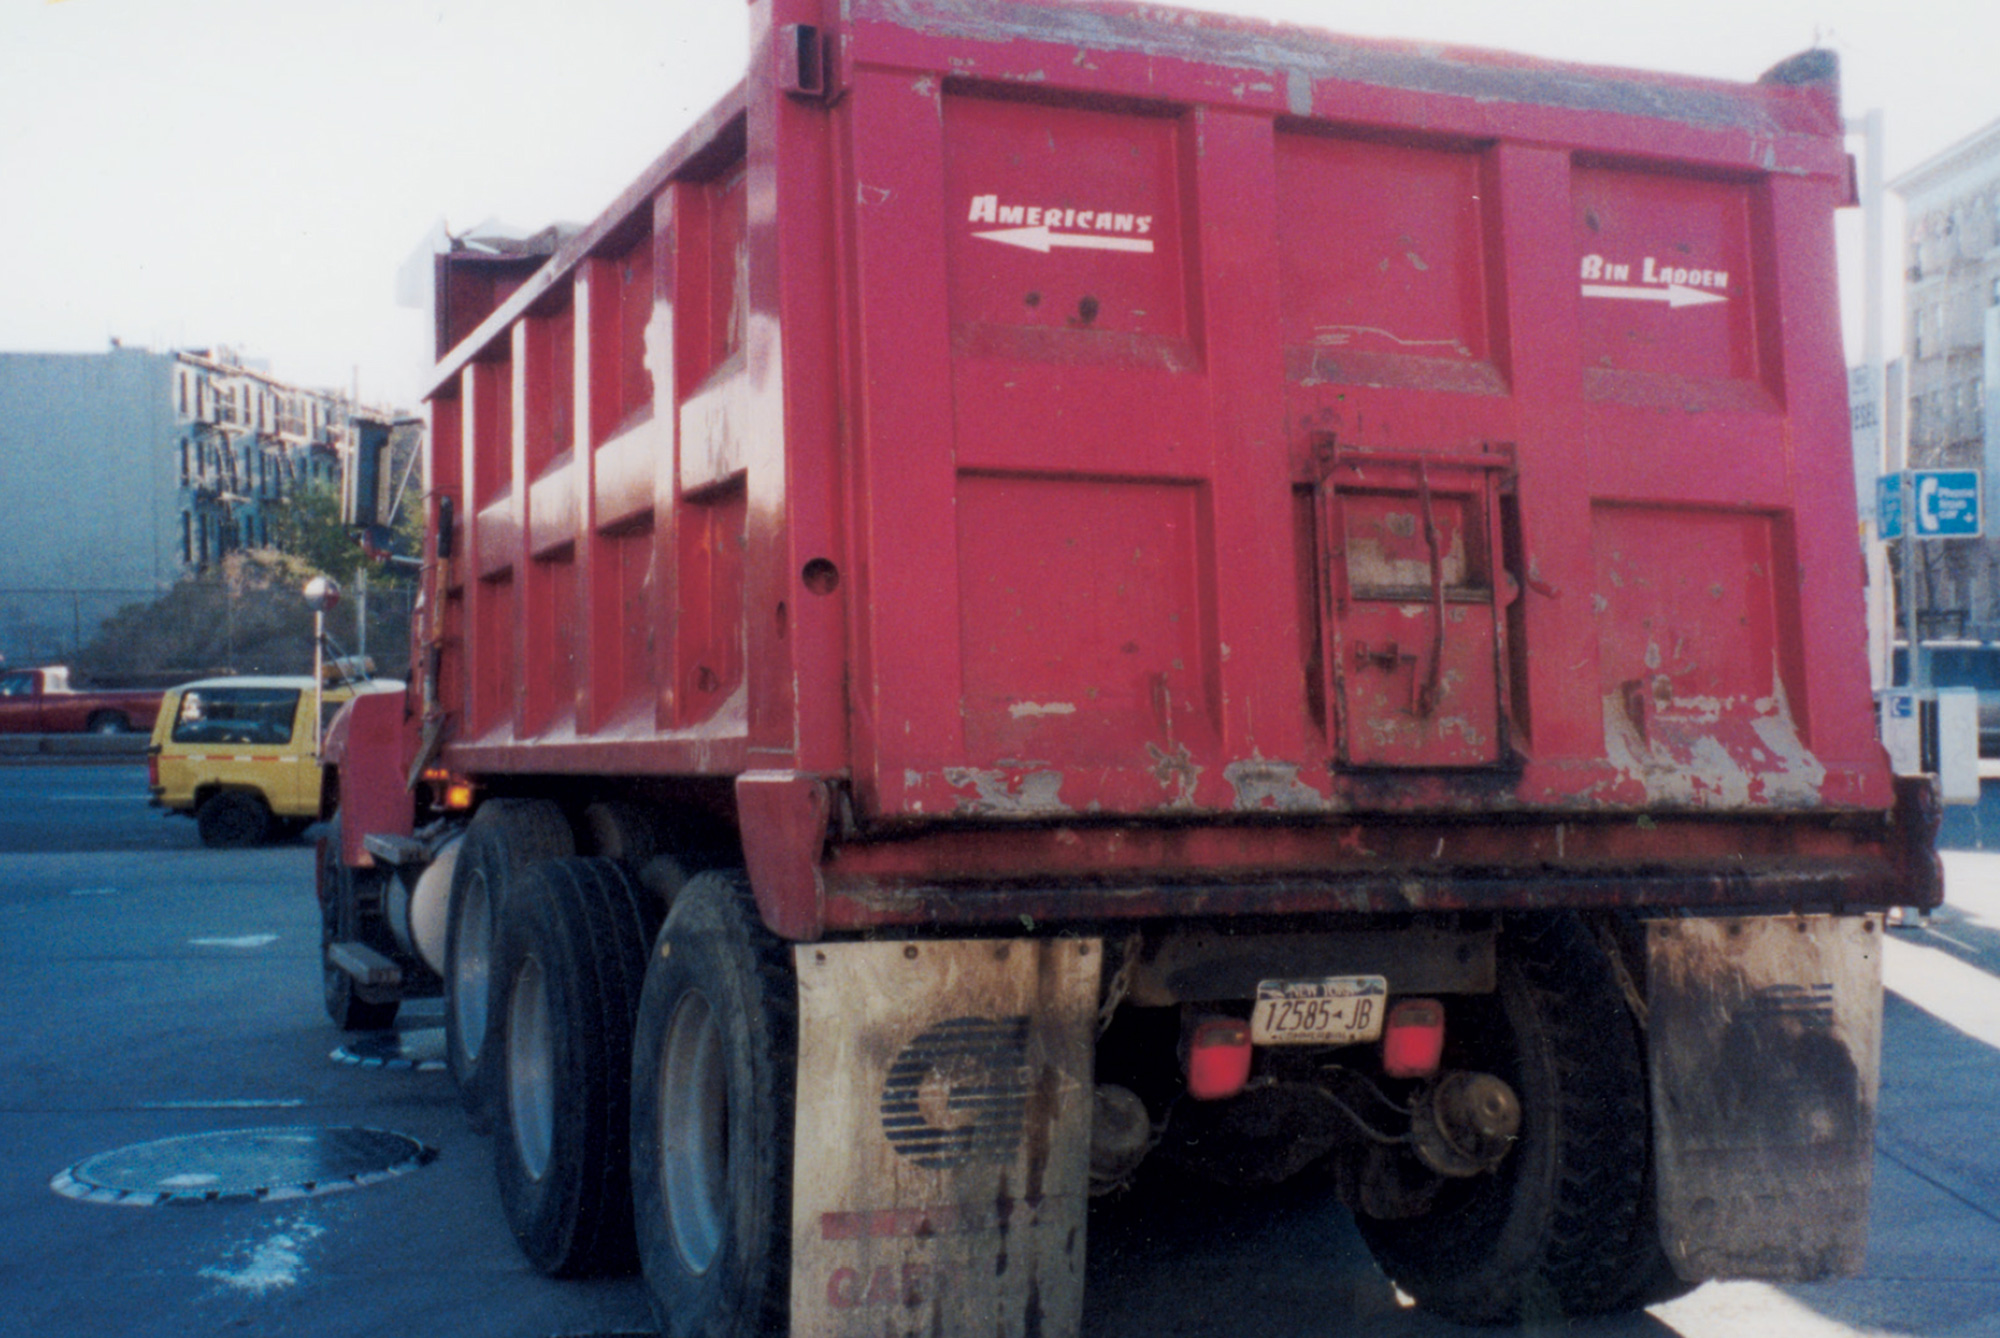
[[237, 754]]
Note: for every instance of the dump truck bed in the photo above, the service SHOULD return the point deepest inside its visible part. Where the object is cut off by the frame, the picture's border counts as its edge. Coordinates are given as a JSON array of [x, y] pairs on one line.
[[1143, 462]]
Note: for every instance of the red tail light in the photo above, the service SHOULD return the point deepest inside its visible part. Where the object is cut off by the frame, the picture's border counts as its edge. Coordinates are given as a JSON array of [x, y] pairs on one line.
[[1218, 1058], [1413, 1038]]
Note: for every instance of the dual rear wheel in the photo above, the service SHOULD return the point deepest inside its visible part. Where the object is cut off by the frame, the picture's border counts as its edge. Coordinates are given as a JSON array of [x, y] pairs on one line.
[[712, 1116], [642, 1084], [641, 1089], [568, 969]]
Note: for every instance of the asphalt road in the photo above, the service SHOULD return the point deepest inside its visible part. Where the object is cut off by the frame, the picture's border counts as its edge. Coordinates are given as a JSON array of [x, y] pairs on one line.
[[156, 989]]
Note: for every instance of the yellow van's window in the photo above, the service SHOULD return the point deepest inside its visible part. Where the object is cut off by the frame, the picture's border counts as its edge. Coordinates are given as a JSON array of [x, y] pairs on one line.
[[236, 715]]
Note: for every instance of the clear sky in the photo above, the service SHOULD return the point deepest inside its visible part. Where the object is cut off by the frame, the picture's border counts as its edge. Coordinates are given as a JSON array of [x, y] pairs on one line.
[[252, 173]]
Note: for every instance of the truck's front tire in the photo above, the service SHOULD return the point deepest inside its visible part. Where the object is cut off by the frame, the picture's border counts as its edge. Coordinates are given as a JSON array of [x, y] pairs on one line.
[[501, 841], [341, 914], [569, 966], [1565, 1226], [712, 1117]]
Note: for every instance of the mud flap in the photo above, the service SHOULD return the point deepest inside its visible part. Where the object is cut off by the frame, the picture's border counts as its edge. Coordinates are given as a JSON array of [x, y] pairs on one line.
[[942, 1149], [1765, 1042]]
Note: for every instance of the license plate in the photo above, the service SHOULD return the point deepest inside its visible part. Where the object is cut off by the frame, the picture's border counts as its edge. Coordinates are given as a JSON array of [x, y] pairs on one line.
[[1337, 1010]]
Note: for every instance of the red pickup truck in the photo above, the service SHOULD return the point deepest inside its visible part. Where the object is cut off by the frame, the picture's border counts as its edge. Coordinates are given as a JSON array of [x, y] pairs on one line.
[[42, 701]]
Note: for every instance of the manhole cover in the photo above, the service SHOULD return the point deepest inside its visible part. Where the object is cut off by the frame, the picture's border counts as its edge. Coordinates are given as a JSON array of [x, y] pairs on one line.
[[422, 1050], [240, 1164]]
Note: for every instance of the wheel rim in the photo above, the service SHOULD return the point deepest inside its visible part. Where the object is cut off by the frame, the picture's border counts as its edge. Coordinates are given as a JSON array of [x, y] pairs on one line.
[[531, 1095], [469, 965], [694, 1132]]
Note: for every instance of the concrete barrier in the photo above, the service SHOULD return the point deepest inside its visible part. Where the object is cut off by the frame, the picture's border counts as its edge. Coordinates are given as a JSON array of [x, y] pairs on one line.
[[22, 748]]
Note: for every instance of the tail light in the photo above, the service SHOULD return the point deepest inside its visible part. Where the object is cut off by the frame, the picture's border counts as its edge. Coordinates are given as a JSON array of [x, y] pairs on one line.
[[1413, 1038], [452, 791], [1218, 1062]]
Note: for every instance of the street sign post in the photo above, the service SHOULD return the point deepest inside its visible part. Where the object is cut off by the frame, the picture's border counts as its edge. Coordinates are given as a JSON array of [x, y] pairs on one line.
[[1889, 506], [1925, 504]]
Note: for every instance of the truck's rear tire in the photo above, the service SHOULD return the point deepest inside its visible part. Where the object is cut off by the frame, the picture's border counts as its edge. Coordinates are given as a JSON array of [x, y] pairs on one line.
[[341, 913], [504, 837], [569, 967], [1565, 1226], [712, 1116], [233, 819]]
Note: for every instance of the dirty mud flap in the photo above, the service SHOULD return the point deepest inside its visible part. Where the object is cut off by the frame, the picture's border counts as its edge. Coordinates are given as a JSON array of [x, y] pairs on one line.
[[942, 1145], [1765, 1042]]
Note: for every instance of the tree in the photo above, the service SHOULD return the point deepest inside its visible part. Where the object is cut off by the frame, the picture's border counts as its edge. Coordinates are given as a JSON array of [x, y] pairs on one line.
[[246, 614], [310, 529], [242, 615]]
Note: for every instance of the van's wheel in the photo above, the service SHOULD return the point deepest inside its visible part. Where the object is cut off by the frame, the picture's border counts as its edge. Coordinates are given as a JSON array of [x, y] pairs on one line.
[[1565, 1226], [347, 896], [233, 819], [712, 1116], [504, 837], [569, 966]]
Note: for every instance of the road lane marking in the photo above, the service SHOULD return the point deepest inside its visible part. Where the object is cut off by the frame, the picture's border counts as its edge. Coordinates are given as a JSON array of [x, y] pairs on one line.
[[1934, 932], [1953, 992], [240, 941], [249, 1103]]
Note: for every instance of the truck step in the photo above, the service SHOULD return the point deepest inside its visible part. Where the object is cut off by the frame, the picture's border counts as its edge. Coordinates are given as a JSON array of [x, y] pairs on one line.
[[367, 966], [396, 849]]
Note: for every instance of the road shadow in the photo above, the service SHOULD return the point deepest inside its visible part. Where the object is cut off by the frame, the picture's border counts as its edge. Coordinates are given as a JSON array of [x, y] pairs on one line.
[[1174, 1258], [1934, 1226]]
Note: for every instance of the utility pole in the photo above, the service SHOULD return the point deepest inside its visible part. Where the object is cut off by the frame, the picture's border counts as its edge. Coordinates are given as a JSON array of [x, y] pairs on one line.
[[1887, 457]]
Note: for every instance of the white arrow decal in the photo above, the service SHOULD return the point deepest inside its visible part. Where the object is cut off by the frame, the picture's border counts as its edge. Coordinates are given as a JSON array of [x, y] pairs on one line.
[[1674, 294], [1039, 238]]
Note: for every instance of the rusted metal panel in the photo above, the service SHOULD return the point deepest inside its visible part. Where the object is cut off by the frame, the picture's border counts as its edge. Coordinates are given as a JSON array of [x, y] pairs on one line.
[[940, 1175], [1765, 1042], [1415, 642], [1693, 660], [1111, 431]]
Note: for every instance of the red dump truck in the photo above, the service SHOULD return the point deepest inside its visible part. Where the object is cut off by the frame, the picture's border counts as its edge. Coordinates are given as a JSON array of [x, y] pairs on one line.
[[1066, 588]]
